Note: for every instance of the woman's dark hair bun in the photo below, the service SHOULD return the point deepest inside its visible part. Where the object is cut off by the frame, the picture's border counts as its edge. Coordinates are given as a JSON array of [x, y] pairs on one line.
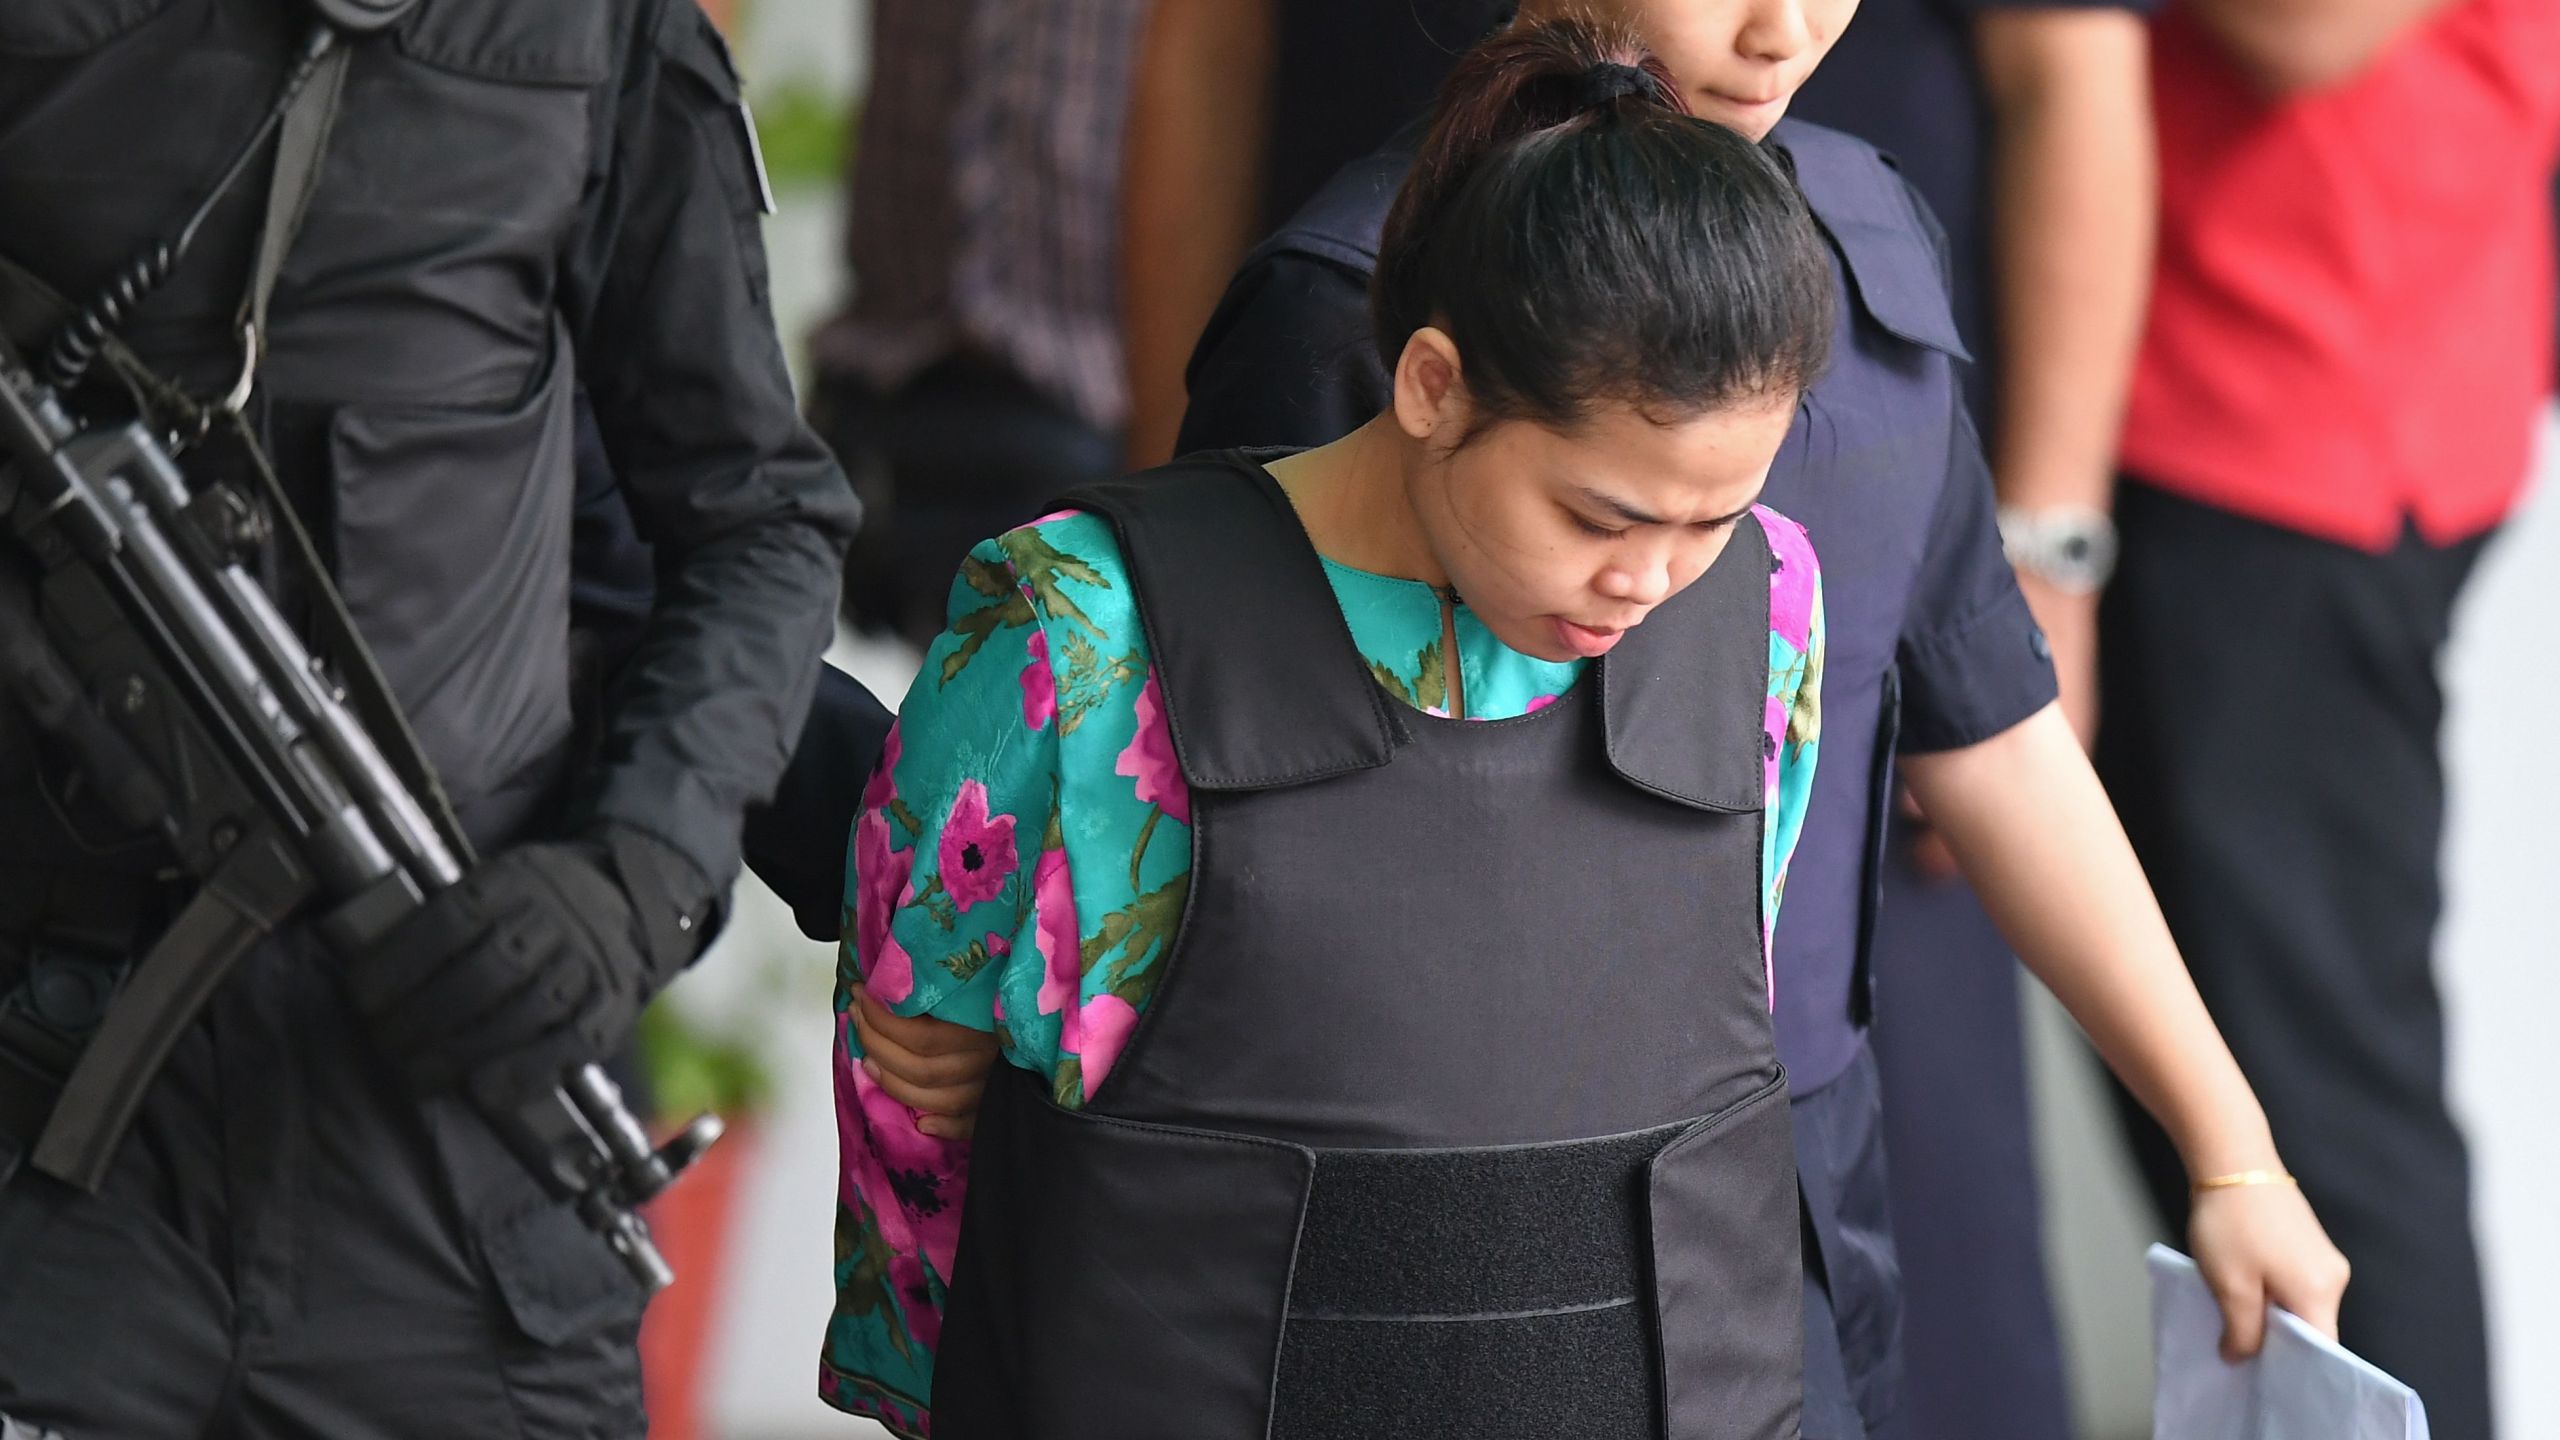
[[1608, 83], [1584, 239]]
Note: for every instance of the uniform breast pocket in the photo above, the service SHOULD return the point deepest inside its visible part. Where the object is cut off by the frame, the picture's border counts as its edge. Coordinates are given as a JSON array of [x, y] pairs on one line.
[[452, 539]]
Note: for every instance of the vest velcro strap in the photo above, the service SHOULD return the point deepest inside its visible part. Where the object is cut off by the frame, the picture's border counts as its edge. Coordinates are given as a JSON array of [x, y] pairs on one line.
[[1582, 1372], [1447, 1234]]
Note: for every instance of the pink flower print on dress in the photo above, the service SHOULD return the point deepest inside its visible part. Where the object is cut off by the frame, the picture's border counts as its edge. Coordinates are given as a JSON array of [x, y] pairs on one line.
[[862, 1179], [915, 1300], [1792, 572], [1150, 759], [891, 978], [1540, 703], [976, 850], [880, 876], [1103, 1032], [1053, 919], [924, 1176], [882, 787], [912, 1184], [1039, 685]]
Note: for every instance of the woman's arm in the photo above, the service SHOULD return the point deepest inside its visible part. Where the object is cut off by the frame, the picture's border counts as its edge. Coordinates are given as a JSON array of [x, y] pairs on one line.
[[2036, 835], [1190, 193], [939, 900], [2074, 201]]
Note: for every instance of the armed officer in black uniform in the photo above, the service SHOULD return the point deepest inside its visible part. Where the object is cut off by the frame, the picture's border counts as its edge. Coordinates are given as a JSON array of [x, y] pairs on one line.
[[309, 1231]]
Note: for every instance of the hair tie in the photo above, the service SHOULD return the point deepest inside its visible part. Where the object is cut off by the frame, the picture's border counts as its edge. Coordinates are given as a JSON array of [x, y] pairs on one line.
[[1602, 84]]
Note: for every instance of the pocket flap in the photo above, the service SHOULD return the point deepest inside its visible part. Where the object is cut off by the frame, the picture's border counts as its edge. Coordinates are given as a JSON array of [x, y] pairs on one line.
[[57, 29], [558, 1279], [1728, 1271]]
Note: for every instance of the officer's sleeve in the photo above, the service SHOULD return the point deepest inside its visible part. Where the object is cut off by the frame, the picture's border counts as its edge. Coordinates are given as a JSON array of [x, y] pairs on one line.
[[796, 844], [665, 290], [1285, 360], [1973, 661]]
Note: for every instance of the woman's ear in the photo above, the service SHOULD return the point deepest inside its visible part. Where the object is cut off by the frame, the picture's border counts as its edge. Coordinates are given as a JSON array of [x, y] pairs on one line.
[[1430, 391]]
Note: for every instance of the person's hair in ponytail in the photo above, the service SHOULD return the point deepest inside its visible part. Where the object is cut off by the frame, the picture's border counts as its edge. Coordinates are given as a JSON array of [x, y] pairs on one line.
[[1582, 239]]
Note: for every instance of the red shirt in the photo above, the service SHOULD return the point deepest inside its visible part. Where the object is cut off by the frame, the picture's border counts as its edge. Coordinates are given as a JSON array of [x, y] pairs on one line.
[[2351, 320]]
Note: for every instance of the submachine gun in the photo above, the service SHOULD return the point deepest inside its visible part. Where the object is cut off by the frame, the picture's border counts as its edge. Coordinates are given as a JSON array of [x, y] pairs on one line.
[[197, 714]]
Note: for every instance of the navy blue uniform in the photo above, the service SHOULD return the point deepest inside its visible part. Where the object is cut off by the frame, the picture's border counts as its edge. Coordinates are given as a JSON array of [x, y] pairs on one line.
[[1927, 629], [1380, 65], [1984, 1358]]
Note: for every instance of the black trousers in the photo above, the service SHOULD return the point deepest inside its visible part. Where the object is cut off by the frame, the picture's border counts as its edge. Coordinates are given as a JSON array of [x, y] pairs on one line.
[[289, 1247], [2272, 715]]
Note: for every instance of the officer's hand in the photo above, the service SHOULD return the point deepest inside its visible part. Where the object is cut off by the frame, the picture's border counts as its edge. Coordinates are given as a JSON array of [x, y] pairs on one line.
[[926, 1064], [539, 961], [2260, 1245]]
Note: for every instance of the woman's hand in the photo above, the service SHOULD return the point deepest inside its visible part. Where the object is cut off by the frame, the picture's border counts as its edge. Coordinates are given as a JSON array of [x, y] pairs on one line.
[[2260, 1245], [926, 1064]]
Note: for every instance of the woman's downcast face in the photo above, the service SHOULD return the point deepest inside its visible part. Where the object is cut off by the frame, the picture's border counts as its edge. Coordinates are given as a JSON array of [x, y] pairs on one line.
[[1739, 62], [1560, 539]]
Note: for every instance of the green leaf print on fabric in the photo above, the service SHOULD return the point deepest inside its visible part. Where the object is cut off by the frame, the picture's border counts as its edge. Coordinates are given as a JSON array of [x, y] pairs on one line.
[[1041, 565], [992, 581], [907, 822], [1012, 612], [936, 904], [1431, 679], [965, 963], [1804, 712], [862, 1273], [1389, 681], [1138, 931], [1089, 679]]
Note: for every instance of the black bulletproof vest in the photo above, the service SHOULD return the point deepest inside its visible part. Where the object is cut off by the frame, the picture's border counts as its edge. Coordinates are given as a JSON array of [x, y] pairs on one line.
[[417, 390], [1458, 1112]]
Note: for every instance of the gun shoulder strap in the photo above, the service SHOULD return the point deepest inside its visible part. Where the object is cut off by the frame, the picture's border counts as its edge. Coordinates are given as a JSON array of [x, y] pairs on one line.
[[30, 308], [302, 142]]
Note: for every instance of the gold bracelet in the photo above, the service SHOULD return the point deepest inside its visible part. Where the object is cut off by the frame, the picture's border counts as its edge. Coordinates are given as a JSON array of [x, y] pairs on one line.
[[2244, 1177]]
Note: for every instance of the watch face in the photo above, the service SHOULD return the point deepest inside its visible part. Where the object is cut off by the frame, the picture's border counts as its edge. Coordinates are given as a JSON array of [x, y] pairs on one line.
[[2073, 550]]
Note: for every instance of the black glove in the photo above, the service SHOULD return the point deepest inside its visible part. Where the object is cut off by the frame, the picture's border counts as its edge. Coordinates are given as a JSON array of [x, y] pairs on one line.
[[539, 961]]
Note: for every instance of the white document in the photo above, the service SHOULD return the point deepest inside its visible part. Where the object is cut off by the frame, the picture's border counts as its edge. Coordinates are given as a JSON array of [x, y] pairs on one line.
[[2302, 1386]]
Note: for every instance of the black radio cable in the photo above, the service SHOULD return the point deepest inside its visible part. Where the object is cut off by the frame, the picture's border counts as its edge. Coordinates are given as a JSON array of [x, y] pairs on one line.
[[77, 348]]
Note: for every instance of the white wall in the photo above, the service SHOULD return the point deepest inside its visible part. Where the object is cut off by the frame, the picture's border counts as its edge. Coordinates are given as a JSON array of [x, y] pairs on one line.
[[2501, 954]]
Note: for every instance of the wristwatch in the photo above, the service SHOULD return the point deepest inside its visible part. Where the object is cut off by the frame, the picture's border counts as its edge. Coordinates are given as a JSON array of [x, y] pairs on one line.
[[2070, 547]]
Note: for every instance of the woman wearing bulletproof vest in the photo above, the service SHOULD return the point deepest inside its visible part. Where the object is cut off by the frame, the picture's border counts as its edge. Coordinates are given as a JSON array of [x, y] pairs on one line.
[[1366, 858]]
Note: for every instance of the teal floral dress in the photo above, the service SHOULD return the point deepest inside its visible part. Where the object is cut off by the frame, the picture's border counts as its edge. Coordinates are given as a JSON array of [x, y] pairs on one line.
[[1021, 856]]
